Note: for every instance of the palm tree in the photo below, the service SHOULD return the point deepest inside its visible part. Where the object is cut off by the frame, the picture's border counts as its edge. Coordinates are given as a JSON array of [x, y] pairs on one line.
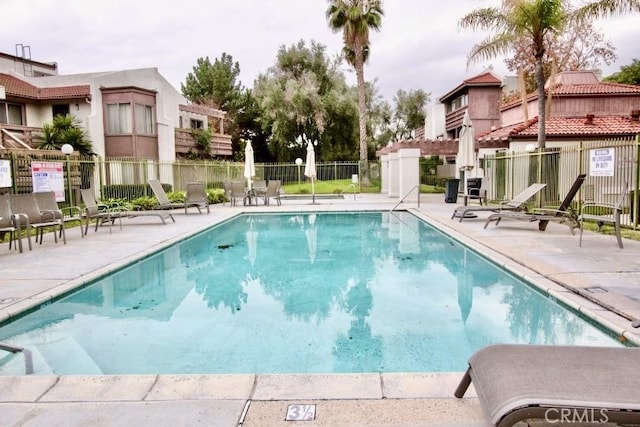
[[355, 18], [533, 20], [65, 130]]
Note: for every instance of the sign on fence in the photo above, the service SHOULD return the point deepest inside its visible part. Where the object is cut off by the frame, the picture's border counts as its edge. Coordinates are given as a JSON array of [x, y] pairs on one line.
[[48, 176], [5, 173], [602, 161]]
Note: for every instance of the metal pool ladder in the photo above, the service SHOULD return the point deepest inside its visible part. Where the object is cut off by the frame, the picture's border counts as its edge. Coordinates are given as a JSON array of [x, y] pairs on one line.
[[407, 195]]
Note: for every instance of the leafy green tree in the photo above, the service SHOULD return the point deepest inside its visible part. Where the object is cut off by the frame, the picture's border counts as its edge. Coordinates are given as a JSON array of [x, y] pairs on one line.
[[64, 130], [409, 113], [248, 116], [628, 74], [379, 120], [215, 85], [355, 19], [304, 93], [533, 20]]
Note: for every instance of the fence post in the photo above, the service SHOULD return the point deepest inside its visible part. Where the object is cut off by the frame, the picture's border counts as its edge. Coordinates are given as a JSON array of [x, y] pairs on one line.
[[14, 173], [636, 187]]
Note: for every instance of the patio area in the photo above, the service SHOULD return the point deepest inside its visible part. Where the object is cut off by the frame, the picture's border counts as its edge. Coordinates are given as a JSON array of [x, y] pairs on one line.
[[599, 279]]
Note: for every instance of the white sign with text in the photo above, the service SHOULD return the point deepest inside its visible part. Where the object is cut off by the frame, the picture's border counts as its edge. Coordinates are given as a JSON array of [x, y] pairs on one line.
[[5, 173], [602, 161]]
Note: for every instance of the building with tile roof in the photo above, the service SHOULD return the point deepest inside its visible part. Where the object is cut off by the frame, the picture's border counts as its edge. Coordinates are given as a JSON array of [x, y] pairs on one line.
[[582, 108], [132, 114]]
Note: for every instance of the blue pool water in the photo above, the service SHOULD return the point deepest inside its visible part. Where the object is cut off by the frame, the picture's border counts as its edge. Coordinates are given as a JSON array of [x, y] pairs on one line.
[[295, 293]]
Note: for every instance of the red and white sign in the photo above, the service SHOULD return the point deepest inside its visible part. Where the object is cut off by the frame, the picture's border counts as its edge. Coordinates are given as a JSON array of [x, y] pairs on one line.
[[48, 176]]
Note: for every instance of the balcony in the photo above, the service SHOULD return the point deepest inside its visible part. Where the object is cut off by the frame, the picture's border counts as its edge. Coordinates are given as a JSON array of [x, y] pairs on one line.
[[220, 144]]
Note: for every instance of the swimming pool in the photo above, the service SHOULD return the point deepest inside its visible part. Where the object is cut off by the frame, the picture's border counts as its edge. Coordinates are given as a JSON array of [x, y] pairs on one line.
[[266, 293]]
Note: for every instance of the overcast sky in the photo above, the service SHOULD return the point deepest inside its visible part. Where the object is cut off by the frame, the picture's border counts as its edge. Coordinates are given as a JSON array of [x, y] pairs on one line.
[[419, 46]]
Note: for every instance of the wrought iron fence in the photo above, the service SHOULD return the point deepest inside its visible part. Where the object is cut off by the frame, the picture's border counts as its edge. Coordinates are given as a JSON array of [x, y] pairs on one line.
[[505, 174], [610, 166], [128, 179]]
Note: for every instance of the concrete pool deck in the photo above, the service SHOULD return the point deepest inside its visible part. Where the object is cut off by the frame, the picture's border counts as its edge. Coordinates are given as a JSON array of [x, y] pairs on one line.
[[599, 279]]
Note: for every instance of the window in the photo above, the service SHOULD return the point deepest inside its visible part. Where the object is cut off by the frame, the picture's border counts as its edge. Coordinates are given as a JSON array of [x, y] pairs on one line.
[[11, 114], [197, 124], [60, 110], [119, 119], [145, 123], [459, 102]]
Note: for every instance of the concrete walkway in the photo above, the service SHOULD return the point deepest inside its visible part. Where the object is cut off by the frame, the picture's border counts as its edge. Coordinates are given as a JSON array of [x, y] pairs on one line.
[[598, 279]]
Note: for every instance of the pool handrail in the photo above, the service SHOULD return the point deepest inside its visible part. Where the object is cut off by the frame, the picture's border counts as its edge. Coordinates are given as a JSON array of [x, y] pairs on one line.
[[407, 195], [28, 358]]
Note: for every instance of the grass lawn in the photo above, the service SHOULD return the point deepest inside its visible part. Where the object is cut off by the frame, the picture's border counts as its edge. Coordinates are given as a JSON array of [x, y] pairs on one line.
[[344, 185]]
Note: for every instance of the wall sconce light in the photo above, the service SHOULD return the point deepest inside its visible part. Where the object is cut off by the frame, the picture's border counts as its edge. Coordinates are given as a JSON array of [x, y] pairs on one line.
[[77, 107]]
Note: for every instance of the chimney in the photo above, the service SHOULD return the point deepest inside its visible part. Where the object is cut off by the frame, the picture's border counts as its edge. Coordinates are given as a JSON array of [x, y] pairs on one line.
[[635, 115], [589, 120]]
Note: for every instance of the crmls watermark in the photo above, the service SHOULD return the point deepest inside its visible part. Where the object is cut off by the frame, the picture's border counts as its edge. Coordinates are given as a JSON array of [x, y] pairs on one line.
[[573, 415]]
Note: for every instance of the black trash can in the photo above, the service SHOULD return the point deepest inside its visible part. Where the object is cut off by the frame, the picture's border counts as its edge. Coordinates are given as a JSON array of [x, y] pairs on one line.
[[451, 194]]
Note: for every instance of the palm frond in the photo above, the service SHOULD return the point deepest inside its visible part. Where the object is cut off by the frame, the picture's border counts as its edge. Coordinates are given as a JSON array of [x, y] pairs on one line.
[[605, 8], [491, 47], [487, 18]]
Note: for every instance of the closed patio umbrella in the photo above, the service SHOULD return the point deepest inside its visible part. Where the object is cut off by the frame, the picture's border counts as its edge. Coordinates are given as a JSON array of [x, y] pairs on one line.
[[310, 168], [466, 147], [249, 164]]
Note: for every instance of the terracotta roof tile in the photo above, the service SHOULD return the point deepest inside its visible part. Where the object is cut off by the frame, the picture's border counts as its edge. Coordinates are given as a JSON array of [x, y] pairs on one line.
[[601, 88], [568, 127], [19, 88], [484, 78], [428, 147], [596, 89]]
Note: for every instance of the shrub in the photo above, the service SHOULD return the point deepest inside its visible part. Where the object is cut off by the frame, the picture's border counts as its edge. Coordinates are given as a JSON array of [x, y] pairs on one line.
[[177, 196], [216, 195], [144, 203]]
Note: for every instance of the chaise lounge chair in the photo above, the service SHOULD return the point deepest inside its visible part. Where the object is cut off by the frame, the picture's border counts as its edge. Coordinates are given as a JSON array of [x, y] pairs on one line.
[[562, 214], [102, 213], [161, 196], [515, 204], [574, 384]]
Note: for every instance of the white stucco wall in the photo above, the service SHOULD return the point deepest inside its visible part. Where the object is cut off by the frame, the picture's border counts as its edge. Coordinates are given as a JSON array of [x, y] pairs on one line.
[[409, 174], [393, 175], [92, 115], [434, 122], [384, 174]]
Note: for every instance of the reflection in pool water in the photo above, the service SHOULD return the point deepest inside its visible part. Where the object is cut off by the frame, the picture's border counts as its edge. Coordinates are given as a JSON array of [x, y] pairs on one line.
[[326, 292]]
